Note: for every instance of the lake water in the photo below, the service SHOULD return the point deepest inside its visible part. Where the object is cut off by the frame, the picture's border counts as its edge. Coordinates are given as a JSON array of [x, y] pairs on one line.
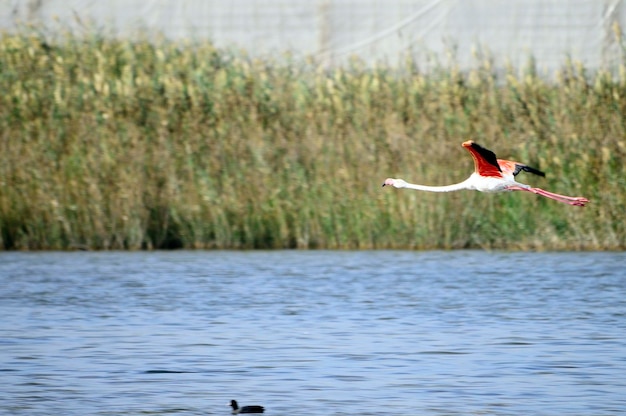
[[313, 333]]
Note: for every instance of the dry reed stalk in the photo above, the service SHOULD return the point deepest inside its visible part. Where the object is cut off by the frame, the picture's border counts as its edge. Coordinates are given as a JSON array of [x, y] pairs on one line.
[[110, 144]]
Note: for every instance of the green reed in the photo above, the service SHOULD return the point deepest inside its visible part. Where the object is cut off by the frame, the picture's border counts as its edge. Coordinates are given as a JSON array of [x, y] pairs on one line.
[[110, 144]]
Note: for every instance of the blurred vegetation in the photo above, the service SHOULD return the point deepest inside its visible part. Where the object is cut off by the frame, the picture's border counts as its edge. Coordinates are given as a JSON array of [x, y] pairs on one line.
[[111, 144]]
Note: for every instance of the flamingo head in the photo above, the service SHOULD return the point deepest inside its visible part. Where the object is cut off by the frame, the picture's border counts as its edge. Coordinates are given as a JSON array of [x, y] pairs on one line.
[[396, 183]]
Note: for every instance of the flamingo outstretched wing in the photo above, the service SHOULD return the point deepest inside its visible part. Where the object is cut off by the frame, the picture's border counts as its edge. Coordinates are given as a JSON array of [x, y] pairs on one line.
[[513, 168], [485, 161]]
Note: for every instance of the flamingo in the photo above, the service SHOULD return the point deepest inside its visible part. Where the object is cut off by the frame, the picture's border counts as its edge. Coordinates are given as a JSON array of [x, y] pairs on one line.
[[491, 175]]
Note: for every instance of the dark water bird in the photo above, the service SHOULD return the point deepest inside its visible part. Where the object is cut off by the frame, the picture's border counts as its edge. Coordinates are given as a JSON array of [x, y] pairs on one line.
[[491, 175], [245, 409]]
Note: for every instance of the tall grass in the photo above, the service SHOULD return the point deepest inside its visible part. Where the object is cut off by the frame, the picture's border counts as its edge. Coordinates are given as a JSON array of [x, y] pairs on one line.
[[111, 144]]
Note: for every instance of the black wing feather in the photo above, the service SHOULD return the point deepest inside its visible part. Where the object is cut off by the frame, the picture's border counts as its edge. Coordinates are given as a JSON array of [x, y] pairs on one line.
[[488, 155], [519, 167]]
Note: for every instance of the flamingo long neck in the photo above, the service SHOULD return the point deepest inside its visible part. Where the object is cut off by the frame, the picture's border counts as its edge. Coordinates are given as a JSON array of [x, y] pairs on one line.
[[446, 188]]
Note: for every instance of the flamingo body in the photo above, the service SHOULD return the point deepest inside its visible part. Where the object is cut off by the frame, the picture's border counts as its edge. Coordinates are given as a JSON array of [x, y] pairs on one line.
[[491, 175]]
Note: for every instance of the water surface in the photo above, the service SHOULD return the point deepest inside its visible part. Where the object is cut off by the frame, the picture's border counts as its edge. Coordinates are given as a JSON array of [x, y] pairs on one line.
[[313, 333]]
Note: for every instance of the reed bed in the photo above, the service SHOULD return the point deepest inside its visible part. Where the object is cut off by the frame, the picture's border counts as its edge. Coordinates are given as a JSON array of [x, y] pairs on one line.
[[112, 144]]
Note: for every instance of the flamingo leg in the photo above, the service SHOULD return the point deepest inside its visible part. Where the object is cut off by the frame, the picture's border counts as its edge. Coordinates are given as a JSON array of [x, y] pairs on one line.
[[570, 200]]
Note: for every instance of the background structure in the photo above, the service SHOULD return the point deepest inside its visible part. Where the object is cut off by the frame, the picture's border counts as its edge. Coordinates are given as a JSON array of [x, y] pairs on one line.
[[374, 30]]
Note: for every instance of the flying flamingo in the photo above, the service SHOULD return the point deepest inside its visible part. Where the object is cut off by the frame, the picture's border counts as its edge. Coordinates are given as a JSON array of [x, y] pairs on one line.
[[491, 175]]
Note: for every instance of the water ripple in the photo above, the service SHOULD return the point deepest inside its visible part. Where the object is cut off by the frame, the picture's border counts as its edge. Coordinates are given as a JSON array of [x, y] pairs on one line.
[[327, 333]]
